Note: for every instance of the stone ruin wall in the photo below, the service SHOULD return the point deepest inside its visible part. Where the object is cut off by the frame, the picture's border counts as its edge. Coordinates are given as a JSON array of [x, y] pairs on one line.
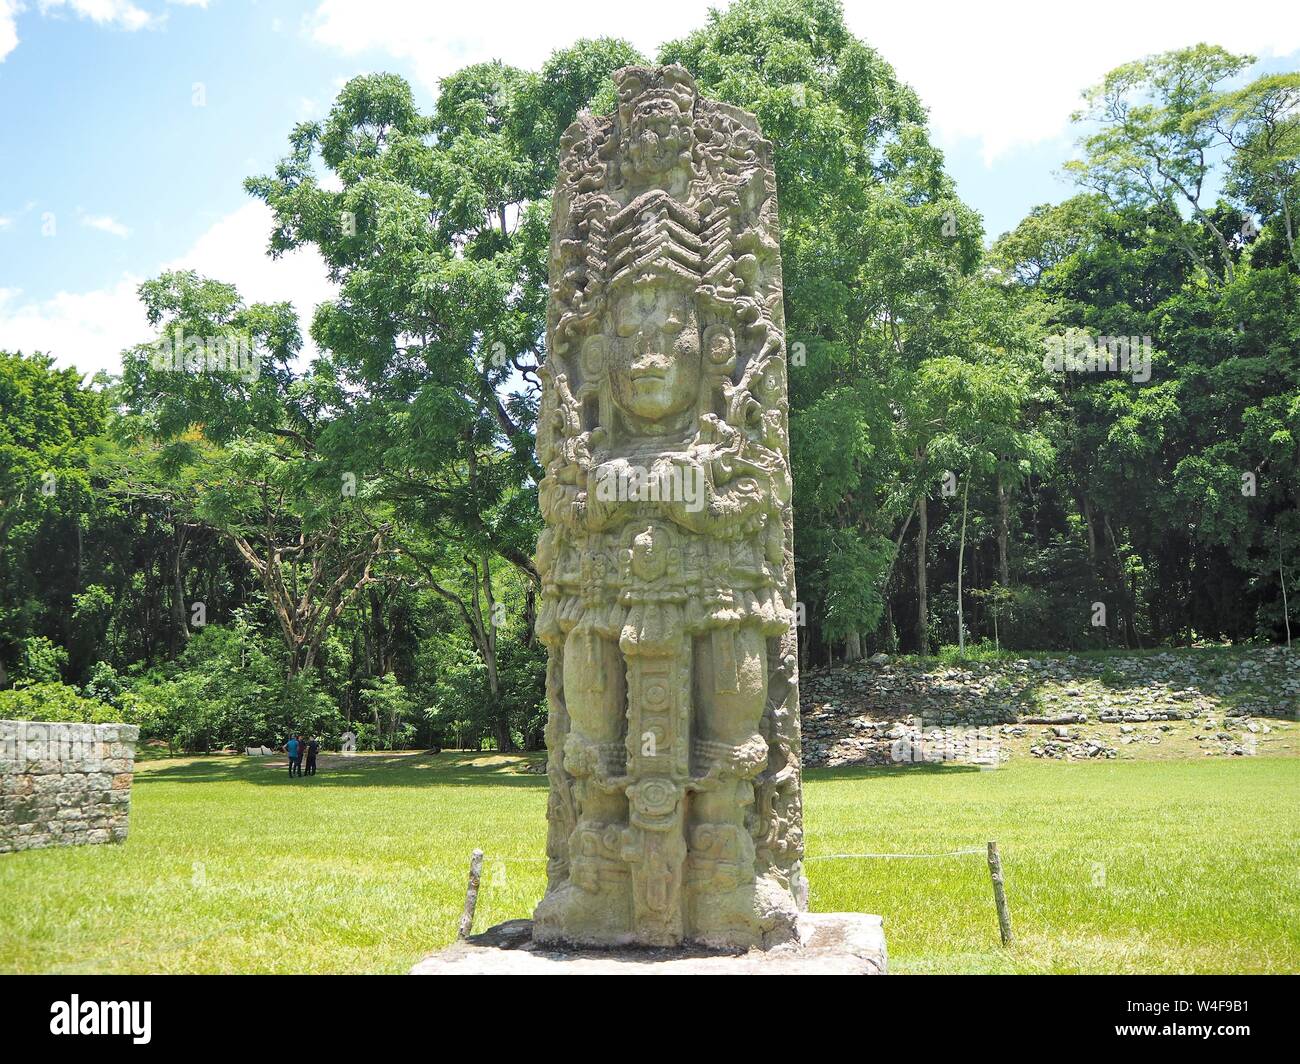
[[64, 784]]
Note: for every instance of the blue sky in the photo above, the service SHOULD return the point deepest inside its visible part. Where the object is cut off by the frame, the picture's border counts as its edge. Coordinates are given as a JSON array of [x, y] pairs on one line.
[[127, 126]]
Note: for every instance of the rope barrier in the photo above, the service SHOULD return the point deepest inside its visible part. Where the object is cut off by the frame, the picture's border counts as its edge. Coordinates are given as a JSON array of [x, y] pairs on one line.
[[818, 857], [855, 856], [995, 871]]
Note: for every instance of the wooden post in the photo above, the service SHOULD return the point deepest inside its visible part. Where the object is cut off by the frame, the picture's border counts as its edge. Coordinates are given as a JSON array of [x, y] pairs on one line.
[[471, 895], [999, 895]]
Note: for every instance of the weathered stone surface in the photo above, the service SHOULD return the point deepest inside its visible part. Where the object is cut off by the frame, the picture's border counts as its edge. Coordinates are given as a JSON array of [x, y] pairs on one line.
[[825, 944], [667, 558], [58, 787]]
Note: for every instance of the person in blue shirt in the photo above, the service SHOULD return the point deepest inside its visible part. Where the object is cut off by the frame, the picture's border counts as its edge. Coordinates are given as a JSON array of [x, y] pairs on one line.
[[294, 748]]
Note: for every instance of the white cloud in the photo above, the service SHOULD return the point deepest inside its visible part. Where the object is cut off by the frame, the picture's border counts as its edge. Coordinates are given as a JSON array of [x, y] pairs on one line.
[[8, 27], [90, 329], [1014, 79], [5, 223], [120, 13], [437, 39], [82, 329], [105, 223], [1005, 78]]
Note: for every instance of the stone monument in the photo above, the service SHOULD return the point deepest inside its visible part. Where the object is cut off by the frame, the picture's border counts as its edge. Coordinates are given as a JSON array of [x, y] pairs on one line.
[[675, 840], [667, 568]]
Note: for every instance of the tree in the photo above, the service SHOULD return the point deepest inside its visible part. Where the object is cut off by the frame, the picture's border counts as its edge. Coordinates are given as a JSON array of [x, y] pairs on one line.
[[875, 246], [1156, 141], [245, 442], [1261, 124], [46, 440]]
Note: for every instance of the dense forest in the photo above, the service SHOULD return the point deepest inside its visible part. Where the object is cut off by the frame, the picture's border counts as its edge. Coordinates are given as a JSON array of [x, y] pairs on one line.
[[1083, 433]]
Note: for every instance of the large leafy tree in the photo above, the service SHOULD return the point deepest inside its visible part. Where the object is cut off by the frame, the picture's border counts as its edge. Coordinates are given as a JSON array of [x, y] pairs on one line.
[[1155, 144], [435, 228], [1260, 123], [242, 445], [46, 501], [877, 248]]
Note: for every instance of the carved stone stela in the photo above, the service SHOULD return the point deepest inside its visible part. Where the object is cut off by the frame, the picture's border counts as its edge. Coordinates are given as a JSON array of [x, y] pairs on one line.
[[667, 559]]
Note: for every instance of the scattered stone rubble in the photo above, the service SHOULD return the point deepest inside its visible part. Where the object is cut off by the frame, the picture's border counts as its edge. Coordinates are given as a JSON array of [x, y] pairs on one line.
[[893, 710]]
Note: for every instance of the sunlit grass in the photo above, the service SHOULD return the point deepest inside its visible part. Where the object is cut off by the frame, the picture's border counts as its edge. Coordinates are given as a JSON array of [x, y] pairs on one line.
[[1172, 866], [232, 866]]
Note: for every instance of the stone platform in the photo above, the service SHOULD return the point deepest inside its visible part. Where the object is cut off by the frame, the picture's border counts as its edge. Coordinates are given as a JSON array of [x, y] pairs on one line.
[[829, 944]]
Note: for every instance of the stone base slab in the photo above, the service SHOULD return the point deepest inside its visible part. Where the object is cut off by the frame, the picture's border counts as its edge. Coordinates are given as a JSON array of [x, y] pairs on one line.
[[829, 944]]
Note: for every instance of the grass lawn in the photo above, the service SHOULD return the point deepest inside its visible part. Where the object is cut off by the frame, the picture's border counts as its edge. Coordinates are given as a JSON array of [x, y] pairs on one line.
[[1111, 866]]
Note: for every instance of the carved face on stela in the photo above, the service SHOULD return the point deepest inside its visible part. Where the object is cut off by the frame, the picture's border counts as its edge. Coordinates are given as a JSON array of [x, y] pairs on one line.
[[656, 114], [659, 139], [654, 363]]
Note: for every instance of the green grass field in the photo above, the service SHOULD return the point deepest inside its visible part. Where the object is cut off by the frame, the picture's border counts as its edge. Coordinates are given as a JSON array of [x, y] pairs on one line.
[[1173, 866]]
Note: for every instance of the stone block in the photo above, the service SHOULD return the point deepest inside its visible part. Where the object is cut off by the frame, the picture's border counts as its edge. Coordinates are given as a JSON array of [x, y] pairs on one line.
[[826, 944]]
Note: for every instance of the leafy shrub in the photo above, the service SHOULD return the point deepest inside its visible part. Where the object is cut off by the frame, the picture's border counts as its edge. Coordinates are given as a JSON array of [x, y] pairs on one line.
[[228, 689], [57, 702], [104, 685], [41, 661]]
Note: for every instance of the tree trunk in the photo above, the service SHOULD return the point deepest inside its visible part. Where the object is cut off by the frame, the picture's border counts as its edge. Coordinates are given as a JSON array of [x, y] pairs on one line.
[[488, 631], [898, 549], [1126, 586], [853, 647], [530, 615], [1086, 507], [922, 622], [381, 641], [1281, 575], [1004, 533], [178, 587], [961, 561]]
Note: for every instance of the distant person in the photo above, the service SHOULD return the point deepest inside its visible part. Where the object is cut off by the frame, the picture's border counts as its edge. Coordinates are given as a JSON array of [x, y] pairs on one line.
[[313, 744], [294, 748]]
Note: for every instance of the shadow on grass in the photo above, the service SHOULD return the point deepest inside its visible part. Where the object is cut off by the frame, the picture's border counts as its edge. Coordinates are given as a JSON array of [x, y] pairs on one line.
[[453, 769], [367, 770]]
